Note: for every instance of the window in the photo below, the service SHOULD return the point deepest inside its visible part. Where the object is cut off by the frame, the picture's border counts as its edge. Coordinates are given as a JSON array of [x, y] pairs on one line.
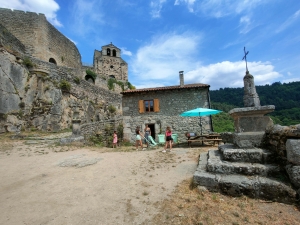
[[151, 105], [108, 51], [148, 105], [114, 52]]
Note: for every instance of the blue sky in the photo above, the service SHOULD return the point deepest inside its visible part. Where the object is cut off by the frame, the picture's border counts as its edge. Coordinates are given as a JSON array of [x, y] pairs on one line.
[[204, 38]]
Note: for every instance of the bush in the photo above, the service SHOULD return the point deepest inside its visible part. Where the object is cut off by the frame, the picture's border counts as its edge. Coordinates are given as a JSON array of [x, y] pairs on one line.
[[22, 104], [130, 86], [65, 85], [91, 73], [77, 80], [27, 62], [112, 109], [110, 84]]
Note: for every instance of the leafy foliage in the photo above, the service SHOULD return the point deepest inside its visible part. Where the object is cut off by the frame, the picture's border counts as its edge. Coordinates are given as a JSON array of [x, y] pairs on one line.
[[223, 122], [284, 96], [91, 73], [130, 86], [112, 109], [27, 62], [65, 85], [77, 80]]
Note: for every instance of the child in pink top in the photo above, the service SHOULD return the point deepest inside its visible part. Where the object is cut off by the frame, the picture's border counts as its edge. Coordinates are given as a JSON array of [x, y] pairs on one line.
[[168, 139], [115, 139]]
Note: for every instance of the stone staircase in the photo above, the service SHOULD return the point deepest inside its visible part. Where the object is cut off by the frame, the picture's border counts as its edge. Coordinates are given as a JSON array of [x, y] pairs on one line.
[[236, 172]]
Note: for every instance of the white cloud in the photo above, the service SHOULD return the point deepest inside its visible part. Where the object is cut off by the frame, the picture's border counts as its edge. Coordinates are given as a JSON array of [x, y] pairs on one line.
[[292, 19], [189, 3], [125, 52], [230, 74], [156, 6], [164, 57], [47, 7]]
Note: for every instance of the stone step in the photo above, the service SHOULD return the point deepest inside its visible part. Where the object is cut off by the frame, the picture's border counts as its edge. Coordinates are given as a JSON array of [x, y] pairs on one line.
[[232, 153], [216, 164], [238, 185]]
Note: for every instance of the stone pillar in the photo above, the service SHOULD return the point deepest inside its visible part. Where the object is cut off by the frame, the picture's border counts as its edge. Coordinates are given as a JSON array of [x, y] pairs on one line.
[[181, 78], [76, 123], [251, 98]]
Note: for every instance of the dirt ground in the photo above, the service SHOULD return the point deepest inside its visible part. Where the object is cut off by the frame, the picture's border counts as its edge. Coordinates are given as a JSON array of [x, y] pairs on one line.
[[45, 183]]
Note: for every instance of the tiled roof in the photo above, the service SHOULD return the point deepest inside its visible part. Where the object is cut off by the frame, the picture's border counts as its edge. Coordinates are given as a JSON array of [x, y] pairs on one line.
[[177, 87]]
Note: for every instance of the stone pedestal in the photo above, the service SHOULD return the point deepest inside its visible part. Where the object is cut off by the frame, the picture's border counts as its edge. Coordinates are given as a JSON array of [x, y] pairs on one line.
[[252, 119], [250, 124]]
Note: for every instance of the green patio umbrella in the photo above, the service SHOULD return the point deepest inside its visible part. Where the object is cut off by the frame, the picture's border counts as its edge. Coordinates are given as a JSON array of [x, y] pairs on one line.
[[200, 112]]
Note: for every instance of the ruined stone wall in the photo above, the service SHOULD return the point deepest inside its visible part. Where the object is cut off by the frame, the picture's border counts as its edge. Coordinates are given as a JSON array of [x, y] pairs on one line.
[[33, 97], [41, 39]]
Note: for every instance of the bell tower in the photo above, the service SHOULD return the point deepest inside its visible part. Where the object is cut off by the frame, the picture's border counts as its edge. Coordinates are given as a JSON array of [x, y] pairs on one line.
[[108, 62]]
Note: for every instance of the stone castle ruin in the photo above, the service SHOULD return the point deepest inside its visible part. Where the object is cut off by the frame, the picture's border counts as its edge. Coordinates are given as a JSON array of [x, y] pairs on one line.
[[43, 81]]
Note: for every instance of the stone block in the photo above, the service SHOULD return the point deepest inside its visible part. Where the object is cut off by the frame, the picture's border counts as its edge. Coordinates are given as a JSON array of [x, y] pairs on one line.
[[293, 151], [253, 124], [294, 174], [236, 185], [248, 139], [208, 180]]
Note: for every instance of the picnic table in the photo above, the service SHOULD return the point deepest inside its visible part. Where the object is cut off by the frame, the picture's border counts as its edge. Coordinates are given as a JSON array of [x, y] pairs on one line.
[[216, 138]]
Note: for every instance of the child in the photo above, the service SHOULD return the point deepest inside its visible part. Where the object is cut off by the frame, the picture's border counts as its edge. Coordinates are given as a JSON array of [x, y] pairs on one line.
[[138, 139], [168, 139], [115, 139]]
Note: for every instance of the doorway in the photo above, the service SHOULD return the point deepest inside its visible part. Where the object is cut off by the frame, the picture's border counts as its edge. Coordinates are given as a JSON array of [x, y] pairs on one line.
[[152, 128]]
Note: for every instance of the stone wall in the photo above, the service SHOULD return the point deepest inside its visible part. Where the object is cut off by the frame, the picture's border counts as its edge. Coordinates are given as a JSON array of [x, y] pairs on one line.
[[10, 42], [33, 97], [99, 127], [276, 138], [171, 104], [41, 39]]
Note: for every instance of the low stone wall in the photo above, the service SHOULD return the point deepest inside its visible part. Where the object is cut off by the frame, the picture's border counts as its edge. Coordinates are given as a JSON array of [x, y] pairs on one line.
[[91, 129], [276, 138]]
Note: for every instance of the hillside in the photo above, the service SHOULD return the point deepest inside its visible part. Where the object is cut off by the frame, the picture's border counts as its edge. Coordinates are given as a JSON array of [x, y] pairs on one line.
[[285, 97]]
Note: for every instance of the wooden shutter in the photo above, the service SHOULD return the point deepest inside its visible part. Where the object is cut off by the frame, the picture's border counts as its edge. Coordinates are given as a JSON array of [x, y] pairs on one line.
[[141, 106], [156, 105]]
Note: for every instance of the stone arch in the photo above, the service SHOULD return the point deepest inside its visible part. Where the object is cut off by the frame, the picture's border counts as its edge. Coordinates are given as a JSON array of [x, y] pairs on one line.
[[51, 60], [89, 79], [112, 77], [114, 53], [108, 51]]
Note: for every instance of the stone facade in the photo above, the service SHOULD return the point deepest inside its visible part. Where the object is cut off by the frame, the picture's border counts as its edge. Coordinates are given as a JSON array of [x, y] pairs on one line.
[[169, 103], [40, 38], [108, 63]]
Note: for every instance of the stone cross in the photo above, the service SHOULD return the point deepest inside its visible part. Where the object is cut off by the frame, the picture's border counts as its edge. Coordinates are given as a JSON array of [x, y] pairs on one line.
[[245, 57]]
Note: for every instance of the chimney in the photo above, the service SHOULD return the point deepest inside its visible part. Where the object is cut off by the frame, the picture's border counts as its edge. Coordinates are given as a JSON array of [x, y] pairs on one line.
[[181, 78]]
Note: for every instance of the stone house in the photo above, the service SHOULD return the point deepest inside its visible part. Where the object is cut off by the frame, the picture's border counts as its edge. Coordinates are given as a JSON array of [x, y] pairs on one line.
[[160, 107]]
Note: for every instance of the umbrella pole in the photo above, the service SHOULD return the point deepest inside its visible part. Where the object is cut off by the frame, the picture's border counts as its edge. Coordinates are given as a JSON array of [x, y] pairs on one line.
[[201, 129]]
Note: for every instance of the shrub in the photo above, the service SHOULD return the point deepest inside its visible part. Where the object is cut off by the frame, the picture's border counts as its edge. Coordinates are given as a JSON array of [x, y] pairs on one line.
[[76, 80], [91, 73], [110, 83], [65, 85], [112, 109], [22, 104], [27, 62], [130, 86], [27, 88]]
